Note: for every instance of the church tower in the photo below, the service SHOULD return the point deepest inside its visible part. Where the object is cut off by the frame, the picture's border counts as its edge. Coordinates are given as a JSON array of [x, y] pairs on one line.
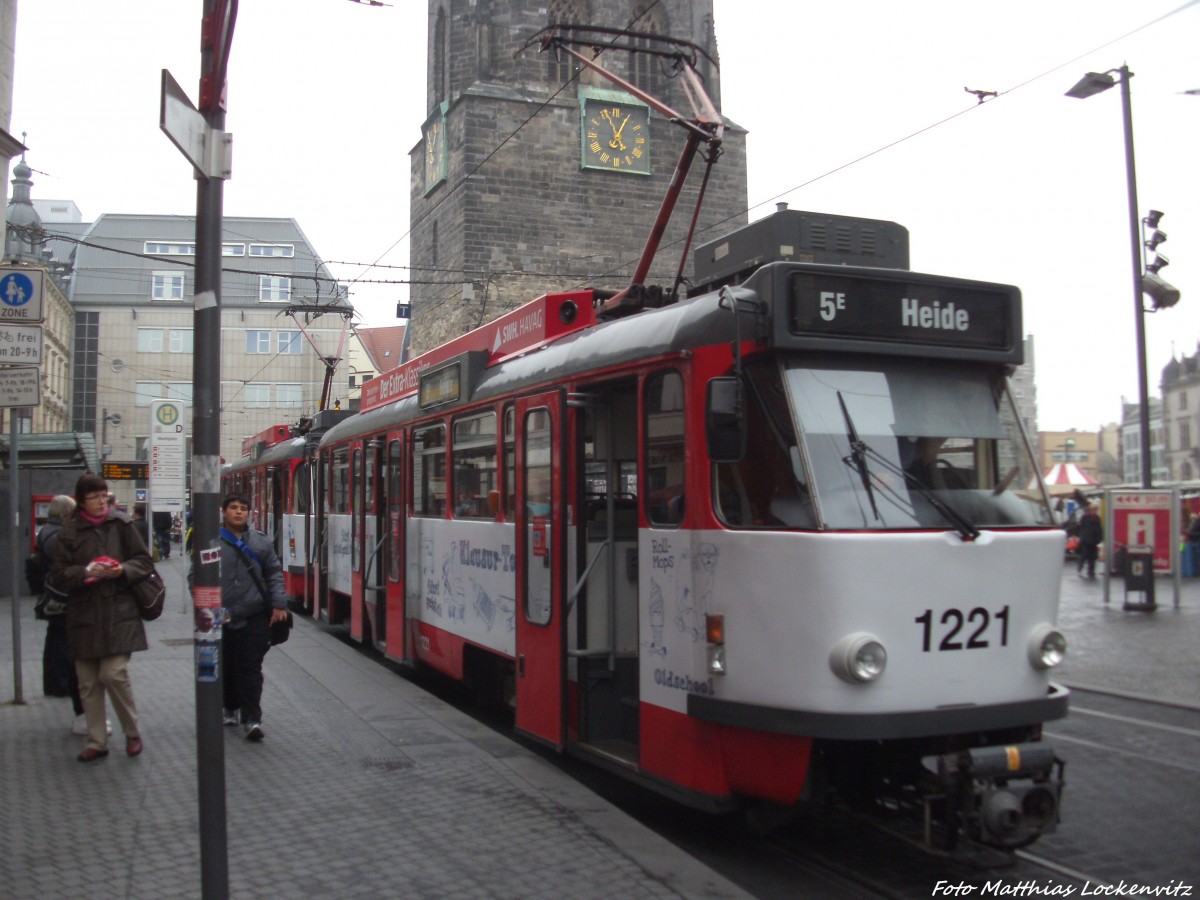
[[510, 198]]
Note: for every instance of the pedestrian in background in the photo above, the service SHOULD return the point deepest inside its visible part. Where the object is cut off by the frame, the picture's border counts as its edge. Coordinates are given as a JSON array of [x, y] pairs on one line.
[[98, 553], [1091, 533], [58, 669], [252, 591], [1191, 546], [141, 523], [162, 534]]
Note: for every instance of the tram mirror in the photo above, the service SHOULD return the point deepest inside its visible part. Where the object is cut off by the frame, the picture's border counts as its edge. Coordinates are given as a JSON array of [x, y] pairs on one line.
[[725, 420]]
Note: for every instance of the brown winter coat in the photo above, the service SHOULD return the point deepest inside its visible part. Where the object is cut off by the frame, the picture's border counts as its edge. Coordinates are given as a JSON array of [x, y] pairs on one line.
[[102, 618]]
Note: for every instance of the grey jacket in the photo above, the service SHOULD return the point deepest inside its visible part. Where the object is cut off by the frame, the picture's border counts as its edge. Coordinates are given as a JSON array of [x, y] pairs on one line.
[[239, 594]]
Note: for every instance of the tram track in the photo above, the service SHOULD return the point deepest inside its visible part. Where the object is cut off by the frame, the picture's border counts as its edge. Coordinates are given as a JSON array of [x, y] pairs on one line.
[[1128, 722], [1133, 697]]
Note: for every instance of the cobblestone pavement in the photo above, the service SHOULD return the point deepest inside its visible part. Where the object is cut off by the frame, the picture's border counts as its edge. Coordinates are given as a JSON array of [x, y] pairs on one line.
[[365, 786]]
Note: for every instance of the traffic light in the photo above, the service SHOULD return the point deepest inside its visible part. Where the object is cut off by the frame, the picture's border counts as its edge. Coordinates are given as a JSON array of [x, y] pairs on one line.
[[1162, 293]]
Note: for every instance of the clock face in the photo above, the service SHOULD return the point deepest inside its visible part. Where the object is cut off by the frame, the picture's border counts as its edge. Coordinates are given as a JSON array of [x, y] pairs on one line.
[[616, 137], [435, 151]]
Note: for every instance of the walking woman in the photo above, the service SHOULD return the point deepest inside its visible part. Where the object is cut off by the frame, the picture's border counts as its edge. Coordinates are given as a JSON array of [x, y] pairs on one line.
[[99, 553]]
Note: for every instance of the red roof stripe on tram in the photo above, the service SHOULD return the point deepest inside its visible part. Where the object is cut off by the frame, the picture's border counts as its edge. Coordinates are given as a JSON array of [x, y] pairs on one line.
[[538, 322]]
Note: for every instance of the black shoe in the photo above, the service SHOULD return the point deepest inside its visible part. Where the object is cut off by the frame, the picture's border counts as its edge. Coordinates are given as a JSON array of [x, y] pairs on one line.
[[254, 731]]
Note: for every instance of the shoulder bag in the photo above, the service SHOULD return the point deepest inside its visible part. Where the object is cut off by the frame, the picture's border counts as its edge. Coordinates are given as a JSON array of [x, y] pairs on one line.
[[151, 595], [149, 591], [50, 603]]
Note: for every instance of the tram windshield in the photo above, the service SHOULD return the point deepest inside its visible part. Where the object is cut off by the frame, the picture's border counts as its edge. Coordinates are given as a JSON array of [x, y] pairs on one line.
[[861, 443]]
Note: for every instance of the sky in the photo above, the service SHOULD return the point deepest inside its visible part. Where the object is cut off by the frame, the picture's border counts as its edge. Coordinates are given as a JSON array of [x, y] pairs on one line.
[[857, 107]]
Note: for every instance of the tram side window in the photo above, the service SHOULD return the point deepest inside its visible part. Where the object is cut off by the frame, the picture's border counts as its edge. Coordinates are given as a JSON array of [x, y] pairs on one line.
[[665, 454], [474, 456], [356, 476], [339, 483], [768, 488], [510, 467], [429, 471], [539, 499], [300, 490]]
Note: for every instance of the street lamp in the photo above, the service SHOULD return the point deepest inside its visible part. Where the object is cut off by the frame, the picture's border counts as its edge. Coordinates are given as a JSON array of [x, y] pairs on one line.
[[115, 419], [1094, 83]]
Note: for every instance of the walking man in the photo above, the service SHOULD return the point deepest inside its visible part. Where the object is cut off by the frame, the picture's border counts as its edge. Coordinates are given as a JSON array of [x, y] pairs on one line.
[[252, 592], [1091, 533]]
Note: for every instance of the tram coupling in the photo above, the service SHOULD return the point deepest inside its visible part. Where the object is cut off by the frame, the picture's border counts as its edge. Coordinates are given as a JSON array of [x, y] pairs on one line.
[[1004, 797]]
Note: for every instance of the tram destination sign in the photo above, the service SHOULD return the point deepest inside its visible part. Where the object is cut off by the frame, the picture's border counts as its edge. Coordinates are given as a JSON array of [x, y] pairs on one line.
[[933, 315]]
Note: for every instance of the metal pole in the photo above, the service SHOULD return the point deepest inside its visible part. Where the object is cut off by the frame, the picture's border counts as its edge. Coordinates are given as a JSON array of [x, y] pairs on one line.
[[206, 463], [15, 548], [1135, 243]]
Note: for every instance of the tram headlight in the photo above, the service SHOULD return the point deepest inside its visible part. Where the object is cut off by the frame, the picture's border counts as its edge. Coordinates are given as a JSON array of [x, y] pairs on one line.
[[1047, 647], [858, 658]]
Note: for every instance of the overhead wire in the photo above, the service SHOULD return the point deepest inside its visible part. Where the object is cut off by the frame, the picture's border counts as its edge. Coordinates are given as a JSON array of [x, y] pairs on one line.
[[577, 277], [975, 106]]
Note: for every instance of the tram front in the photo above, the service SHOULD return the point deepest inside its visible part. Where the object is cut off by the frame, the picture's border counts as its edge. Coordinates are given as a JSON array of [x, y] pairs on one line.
[[901, 557]]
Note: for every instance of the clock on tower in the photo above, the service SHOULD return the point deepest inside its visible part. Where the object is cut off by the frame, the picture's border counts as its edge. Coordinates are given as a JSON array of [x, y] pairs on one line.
[[614, 132], [434, 134]]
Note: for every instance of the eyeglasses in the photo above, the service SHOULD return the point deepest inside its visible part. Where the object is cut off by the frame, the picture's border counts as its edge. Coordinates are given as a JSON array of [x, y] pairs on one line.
[[92, 498]]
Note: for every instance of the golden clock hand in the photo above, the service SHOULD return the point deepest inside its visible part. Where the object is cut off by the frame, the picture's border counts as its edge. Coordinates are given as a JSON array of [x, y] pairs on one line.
[[616, 143]]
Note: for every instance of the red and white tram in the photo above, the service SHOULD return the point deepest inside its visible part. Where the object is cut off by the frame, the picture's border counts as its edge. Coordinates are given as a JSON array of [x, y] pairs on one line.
[[277, 475], [764, 542]]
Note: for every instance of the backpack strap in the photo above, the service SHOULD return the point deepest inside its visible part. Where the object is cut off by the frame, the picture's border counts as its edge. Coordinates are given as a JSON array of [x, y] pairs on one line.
[[246, 554]]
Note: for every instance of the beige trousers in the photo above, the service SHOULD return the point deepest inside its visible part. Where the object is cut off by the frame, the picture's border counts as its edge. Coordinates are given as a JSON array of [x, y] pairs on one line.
[[96, 676]]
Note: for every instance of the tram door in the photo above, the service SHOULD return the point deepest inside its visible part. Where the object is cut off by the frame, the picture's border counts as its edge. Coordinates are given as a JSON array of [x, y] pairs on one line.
[[275, 477], [359, 498], [603, 601], [399, 646], [374, 570], [541, 557]]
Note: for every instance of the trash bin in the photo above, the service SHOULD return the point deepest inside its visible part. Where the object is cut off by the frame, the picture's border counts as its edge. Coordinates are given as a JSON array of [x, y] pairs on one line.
[[1139, 577]]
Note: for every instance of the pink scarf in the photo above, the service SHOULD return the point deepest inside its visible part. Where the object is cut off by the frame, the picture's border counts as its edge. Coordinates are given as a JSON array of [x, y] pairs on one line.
[[92, 519]]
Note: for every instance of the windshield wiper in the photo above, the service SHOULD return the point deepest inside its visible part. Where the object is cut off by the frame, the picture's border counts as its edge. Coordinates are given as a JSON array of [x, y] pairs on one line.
[[860, 451], [964, 526], [858, 455]]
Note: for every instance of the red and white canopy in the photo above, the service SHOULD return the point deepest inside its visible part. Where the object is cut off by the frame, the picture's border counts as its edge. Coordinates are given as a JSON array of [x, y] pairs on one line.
[[1063, 478], [1068, 473]]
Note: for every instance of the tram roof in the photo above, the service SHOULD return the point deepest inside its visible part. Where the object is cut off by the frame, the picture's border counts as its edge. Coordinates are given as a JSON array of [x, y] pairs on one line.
[[765, 311], [648, 335], [284, 450]]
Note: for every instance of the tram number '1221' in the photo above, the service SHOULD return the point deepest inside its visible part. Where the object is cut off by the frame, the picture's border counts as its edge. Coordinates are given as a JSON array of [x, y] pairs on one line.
[[978, 622]]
